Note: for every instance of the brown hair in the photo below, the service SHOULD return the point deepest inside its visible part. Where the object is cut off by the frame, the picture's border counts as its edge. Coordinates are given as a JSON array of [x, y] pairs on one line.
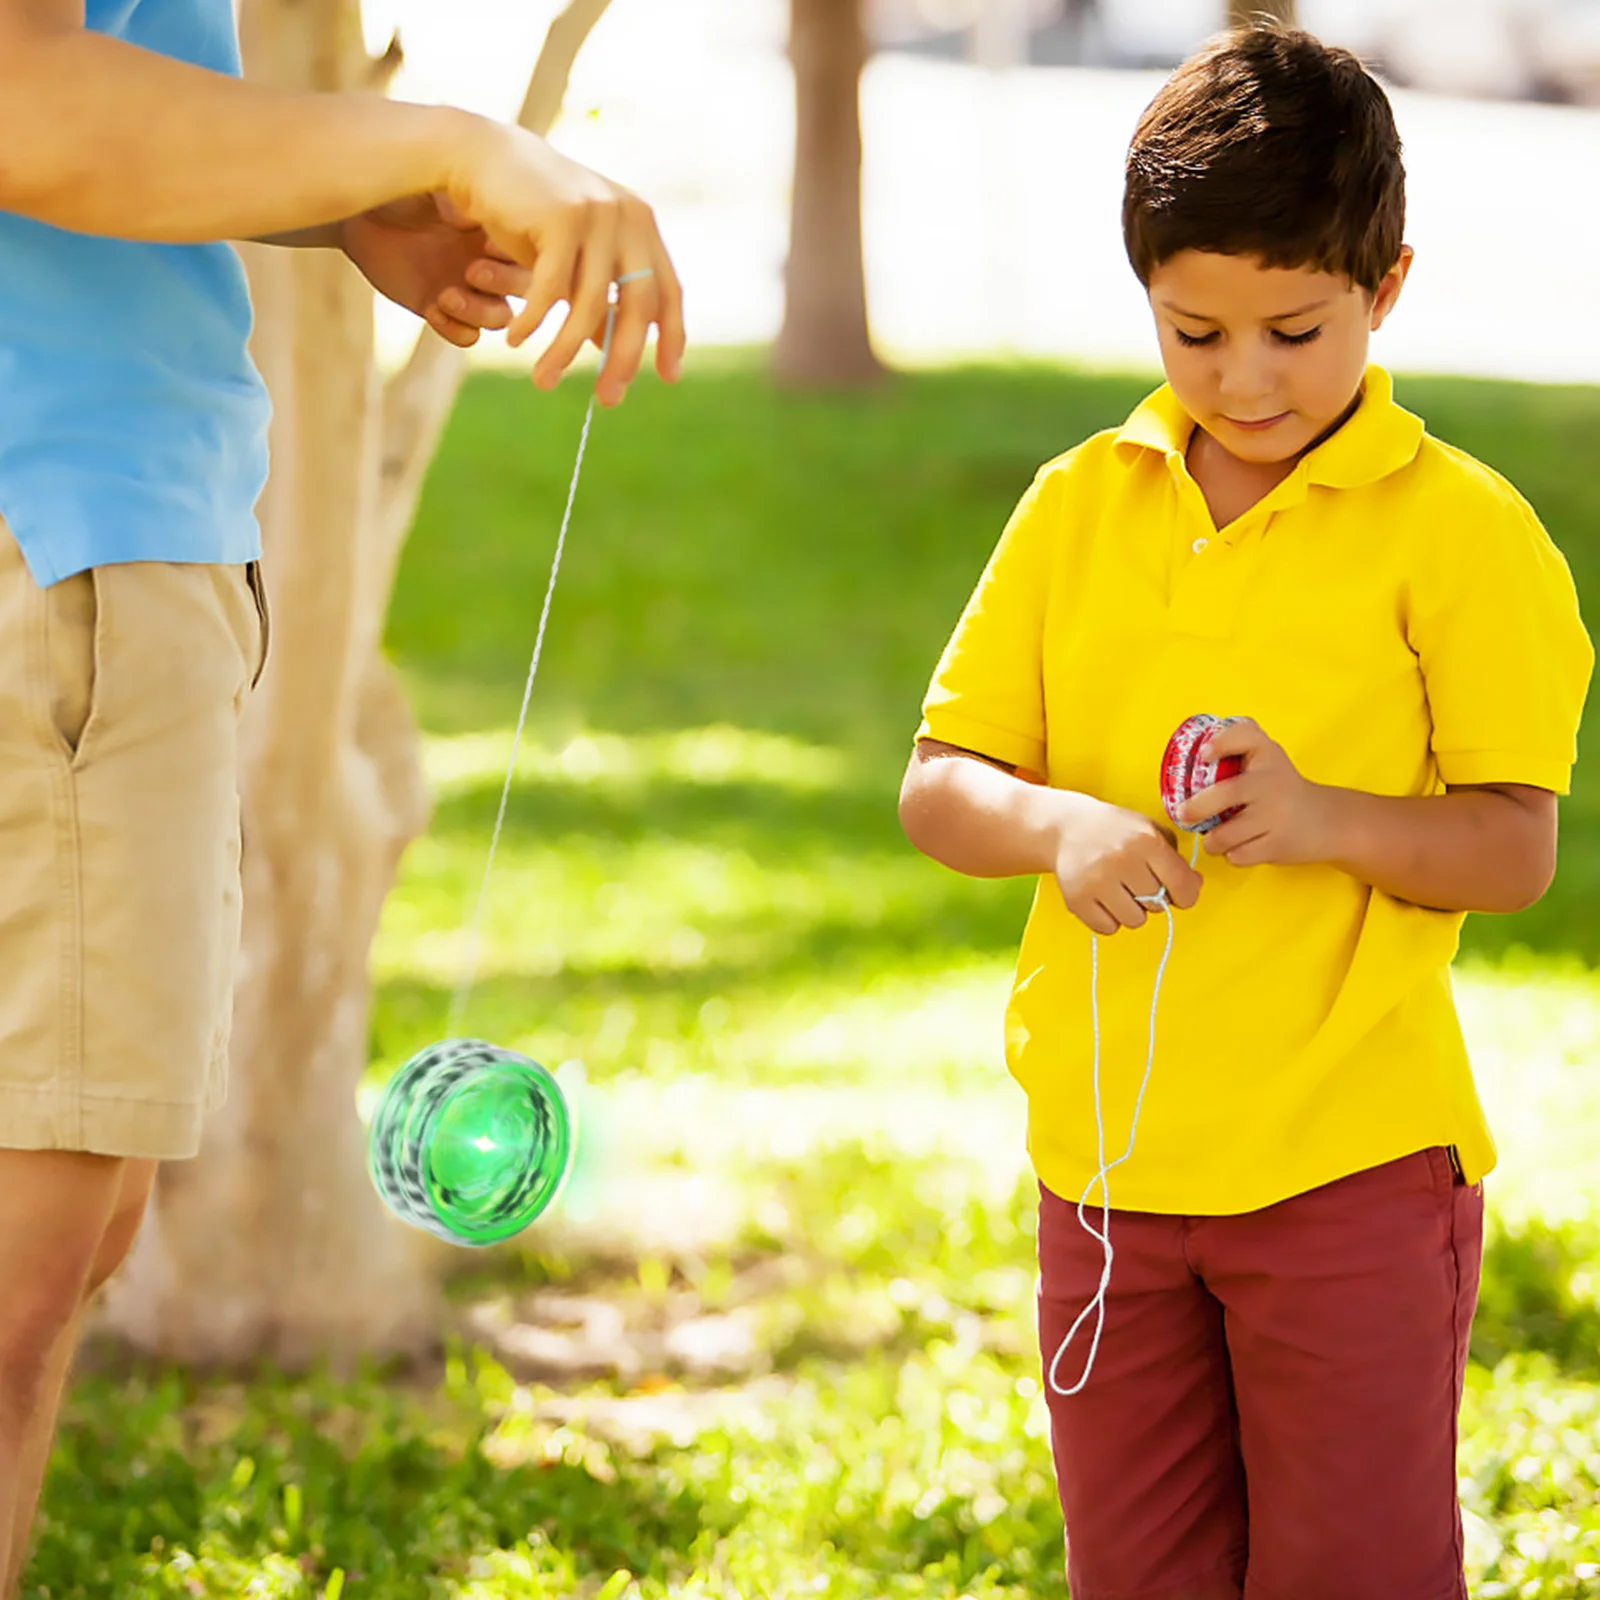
[[1268, 143]]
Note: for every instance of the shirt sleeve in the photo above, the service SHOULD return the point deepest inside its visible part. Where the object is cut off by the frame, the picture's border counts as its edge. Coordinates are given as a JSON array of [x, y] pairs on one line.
[[1504, 654], [987, 693]]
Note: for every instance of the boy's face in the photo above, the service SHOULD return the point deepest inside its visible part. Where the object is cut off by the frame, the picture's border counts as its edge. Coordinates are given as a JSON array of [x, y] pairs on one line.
[[1265, 358]]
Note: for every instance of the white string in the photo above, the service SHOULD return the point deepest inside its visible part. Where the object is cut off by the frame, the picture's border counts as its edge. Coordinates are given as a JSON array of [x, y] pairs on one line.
[[469, 972], [1096, 1307]]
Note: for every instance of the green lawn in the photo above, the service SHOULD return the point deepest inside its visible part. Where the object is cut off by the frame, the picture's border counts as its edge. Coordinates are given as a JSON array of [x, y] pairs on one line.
[[781, 1342]]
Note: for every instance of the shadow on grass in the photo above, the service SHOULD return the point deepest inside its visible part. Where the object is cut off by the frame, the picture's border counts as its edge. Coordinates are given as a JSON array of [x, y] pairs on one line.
[[324, 1475], [1539, 1293]]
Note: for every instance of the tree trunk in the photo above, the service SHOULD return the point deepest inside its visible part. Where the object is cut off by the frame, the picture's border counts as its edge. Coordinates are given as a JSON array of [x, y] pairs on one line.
[[271, 1243], [824, 340], [1241, 12]]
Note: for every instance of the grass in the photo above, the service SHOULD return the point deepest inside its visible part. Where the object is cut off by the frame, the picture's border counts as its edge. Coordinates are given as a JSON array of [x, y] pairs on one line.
[[781, 1342]]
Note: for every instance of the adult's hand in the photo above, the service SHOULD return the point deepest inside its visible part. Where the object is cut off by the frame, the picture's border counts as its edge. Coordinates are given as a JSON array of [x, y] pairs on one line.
[[576, 234], [423, 255]]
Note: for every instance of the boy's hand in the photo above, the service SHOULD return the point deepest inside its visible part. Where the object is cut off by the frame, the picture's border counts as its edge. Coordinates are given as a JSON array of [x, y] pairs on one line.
[[424, 255], [1285, 819], [1106, 856], [577, 233]]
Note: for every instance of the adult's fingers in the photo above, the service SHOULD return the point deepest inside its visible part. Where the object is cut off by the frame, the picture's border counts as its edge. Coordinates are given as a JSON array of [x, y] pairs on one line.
[[636, 310], [587, 302], [670, 335], [551, 280]]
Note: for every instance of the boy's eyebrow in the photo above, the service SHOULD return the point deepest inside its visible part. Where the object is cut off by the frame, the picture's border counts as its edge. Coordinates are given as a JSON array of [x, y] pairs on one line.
[[1280, 316]]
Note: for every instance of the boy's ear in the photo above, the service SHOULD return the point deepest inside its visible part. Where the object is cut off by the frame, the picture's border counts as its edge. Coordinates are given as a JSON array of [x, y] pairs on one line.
[[1389, 288]]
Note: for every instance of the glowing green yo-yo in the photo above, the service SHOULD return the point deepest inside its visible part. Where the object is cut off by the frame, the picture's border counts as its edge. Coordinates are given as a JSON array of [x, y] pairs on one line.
[[471, 1142]]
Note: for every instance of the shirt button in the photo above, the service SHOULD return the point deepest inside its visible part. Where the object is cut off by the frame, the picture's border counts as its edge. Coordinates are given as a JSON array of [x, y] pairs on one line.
[[1200, 545]]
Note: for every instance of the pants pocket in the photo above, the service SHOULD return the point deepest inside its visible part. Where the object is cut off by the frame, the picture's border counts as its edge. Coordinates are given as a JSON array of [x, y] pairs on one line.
[[258, 592], [72, 620]]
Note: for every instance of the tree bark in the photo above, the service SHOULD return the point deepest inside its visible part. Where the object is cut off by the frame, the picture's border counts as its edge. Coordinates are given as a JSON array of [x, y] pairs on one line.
[[271, 1244], [825, 339], [1241, 12]]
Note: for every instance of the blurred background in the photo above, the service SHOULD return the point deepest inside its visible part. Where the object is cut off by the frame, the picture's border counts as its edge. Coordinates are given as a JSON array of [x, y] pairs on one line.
[[991, 191], [778, 1341]]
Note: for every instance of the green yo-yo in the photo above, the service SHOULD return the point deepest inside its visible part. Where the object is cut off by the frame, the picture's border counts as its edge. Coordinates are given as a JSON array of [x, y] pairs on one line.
[[471, 1142]]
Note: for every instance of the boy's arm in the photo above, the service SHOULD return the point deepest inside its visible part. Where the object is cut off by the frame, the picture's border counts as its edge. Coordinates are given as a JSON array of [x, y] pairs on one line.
[[976, 816], [1489, 847]]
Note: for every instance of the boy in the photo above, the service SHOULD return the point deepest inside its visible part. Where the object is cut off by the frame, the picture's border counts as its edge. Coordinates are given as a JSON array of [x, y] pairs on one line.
[[1272, 1409], [132, 450]]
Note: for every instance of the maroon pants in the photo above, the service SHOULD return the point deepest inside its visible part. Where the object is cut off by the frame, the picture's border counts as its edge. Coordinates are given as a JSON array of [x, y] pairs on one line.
[[1272, 1413]]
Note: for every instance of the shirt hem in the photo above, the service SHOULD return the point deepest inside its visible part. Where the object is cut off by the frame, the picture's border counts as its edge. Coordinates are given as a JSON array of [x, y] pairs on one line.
[[983, 739], [1505, 766], [59, 542], [1476, 1153]]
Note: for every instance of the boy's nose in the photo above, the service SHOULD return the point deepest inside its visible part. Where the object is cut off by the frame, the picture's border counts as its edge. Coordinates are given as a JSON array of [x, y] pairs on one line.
[[1245, 386]]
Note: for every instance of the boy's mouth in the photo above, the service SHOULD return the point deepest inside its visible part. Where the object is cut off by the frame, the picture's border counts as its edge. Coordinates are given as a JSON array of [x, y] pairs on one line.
[[1257, 425]]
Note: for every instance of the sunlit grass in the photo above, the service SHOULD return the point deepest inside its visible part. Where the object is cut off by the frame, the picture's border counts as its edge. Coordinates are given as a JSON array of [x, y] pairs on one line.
[[804, 1240]]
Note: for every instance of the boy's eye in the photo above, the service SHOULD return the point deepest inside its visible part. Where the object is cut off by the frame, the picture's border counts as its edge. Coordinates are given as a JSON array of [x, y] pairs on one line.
[[1297, 338], [1191, 340]]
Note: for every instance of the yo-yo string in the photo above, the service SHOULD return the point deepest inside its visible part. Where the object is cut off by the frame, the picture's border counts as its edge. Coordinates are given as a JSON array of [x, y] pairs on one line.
[[1096, 1308], [469, 974]]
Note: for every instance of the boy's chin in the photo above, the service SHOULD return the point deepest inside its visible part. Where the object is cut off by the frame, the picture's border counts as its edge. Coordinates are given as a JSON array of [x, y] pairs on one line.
[[1263, 447]]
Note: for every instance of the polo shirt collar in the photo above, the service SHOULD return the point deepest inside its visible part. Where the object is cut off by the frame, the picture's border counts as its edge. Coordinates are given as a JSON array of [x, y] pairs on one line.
[[1379, 439]]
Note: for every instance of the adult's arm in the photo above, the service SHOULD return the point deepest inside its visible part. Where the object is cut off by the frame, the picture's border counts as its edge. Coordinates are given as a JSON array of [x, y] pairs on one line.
[[101, 137]]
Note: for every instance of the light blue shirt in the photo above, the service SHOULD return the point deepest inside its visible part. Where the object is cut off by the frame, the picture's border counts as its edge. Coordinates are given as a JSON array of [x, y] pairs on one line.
[[133, 423]]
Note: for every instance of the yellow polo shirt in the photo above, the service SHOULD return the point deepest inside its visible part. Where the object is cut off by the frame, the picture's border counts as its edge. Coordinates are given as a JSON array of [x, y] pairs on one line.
[[1394, 615]]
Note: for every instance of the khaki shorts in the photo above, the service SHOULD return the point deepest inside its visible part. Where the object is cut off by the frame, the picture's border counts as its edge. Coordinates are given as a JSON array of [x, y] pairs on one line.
[[120, 696]]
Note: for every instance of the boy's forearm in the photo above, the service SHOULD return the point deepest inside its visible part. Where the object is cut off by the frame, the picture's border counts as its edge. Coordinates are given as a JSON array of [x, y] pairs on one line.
[[1488, 849], [979, 819], [101, 137]]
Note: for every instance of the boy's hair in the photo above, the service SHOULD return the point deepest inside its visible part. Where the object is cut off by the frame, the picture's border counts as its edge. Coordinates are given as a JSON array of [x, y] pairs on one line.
[[1268, 143]]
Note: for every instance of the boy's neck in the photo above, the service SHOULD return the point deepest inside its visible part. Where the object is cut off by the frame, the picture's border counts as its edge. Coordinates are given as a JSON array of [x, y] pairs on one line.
[[1231, 486]]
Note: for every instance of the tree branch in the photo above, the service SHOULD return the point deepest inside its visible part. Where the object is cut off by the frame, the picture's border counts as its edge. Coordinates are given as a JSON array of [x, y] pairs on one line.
[[418, 398]]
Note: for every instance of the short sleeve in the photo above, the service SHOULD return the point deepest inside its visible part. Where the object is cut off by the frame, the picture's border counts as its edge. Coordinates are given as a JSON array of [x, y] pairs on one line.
[[987, 693], [1504, 655]]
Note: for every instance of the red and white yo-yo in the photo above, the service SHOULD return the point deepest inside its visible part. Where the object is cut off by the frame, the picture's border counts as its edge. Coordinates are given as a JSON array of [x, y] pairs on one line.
[[1184, 774]]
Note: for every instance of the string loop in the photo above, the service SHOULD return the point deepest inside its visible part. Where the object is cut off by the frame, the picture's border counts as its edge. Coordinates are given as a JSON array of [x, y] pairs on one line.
[[1096, 1308]]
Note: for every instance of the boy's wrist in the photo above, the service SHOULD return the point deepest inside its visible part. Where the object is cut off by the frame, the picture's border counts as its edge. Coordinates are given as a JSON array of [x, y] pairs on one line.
[[1343, 827], [1063, 815]]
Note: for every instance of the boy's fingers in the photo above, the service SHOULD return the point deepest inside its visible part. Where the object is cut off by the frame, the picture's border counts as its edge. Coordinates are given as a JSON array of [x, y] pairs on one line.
[[1214, 801], [1180, 880], [489, 275], [1092, 914], [476, 310], [1231, 836], [447, 327], [1238, 738], [1121, 905]]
